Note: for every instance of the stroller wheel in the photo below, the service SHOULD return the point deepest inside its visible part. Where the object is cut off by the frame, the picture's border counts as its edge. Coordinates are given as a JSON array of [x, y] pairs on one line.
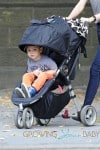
[[88, 115], [43, 122], [19, 119], [28, 118]]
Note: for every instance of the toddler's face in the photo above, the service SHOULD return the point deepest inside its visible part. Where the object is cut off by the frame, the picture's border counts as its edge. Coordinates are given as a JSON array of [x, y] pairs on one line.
[[34, 52]]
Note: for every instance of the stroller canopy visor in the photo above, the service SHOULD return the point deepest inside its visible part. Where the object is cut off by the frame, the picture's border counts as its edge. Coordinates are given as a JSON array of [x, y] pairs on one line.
[[54, 33]]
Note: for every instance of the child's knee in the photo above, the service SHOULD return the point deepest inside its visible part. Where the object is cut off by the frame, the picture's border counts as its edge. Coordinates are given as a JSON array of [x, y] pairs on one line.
[[25, 75], [46, 75]]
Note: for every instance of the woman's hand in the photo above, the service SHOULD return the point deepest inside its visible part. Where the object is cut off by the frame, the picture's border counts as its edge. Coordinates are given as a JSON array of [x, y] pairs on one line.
[[67, 18], [89, 20]]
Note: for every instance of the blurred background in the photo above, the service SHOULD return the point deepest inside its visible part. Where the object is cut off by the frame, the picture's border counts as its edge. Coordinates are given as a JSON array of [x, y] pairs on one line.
[[15, 16]]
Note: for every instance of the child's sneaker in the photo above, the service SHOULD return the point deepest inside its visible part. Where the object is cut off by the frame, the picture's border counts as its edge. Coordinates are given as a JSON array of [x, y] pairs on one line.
[[32, 91], [19, 92], [25, 90], [28, 91]]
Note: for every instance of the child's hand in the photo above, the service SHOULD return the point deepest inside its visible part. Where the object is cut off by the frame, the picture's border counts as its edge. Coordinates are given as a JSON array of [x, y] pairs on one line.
[[37, 72]]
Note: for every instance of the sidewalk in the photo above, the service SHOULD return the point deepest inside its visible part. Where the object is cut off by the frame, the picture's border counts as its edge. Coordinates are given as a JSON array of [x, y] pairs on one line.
[[60, 134]]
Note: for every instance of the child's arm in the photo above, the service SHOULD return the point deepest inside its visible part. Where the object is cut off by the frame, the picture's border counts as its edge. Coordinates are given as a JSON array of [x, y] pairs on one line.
[[53, 72]]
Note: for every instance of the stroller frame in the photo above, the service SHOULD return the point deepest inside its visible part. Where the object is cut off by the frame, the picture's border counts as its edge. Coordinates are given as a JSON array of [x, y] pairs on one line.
[[47, 100]]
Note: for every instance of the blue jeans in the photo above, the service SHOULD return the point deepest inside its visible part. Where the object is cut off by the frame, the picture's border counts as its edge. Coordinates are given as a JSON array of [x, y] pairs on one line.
[[94, 80]]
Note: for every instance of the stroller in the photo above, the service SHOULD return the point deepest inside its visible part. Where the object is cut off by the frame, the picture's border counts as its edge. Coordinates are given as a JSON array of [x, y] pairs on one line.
[[63, 41]]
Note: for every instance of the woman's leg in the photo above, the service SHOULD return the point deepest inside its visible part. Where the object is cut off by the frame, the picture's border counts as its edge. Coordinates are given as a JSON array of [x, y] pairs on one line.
[[94, 80]]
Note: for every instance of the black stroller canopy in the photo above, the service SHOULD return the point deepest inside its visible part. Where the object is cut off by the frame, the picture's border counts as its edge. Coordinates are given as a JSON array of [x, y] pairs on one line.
[[54, 33]]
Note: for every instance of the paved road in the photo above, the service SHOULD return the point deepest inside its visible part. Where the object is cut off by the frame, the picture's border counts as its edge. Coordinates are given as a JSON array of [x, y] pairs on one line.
[[60, 134]]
